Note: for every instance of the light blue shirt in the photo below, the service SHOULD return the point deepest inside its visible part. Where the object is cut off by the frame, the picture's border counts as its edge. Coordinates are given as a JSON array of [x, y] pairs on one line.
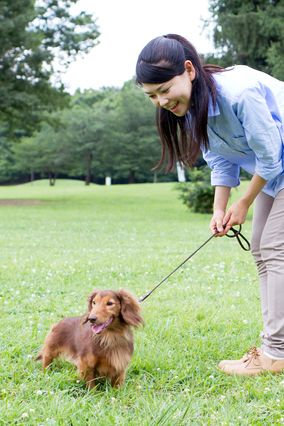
[[246, 129]]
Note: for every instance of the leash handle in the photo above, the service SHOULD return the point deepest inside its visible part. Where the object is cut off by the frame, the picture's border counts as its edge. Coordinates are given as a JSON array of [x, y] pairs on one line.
[[244, 243], [242, 240]]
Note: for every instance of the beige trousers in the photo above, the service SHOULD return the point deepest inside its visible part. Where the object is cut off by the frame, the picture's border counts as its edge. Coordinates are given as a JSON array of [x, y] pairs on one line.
[[267, 247]]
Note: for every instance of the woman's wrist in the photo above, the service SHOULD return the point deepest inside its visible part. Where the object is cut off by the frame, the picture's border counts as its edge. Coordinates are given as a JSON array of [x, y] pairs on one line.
[[246, 201], [255, 186], [222, 194], [218, 210]]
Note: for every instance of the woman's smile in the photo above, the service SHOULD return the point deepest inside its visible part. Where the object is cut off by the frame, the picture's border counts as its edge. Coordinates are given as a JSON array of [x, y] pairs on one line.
[[173, 95], [174, 107]]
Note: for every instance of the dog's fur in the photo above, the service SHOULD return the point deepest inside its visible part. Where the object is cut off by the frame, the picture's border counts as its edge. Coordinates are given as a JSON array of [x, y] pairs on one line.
[[99, 343]]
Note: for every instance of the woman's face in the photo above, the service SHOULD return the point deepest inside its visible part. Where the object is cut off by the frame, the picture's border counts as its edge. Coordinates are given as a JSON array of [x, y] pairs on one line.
[[173, 95]]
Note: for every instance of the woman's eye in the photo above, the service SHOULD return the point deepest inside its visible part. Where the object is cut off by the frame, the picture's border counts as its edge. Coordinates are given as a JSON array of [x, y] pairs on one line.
[[94, 302], [109, 303]]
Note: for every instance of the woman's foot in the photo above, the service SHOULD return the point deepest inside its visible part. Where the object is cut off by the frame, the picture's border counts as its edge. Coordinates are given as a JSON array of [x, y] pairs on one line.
[[253, 363], [237, 361]]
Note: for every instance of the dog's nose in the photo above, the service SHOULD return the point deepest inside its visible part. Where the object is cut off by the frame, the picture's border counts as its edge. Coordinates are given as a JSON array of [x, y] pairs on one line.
[[92, 319]]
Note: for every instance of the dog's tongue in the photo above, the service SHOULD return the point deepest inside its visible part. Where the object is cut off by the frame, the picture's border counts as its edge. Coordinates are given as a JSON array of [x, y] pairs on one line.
[[97, 329]]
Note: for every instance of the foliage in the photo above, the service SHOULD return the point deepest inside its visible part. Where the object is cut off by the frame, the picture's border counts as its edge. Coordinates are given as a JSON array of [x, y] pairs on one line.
[[42, 154], [6, 158], [136, 140], [37, 41], [98, 136], [198, 194], [251, 33]]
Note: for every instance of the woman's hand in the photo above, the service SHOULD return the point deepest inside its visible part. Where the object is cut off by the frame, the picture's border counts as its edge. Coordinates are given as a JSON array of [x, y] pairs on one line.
[[221, 197], [236, 214], [221, 222], [216, 223]]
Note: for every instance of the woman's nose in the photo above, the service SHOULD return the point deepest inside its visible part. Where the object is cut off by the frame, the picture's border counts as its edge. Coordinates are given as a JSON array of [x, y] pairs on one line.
[[163, 101]]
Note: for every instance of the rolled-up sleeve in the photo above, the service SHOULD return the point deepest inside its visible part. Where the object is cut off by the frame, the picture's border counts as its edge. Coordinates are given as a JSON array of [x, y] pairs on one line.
[[261, 130], [223, 172]]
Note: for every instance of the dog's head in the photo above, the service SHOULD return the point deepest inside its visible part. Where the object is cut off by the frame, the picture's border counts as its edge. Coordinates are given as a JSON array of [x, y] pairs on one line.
[[107, 308]]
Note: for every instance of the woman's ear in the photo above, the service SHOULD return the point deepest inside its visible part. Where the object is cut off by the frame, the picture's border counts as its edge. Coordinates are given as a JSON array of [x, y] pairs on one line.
[[190, 69], [130, 308]]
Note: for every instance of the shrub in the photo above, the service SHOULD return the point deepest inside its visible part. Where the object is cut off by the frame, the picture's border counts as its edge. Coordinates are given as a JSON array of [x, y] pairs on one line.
[[197, 194]]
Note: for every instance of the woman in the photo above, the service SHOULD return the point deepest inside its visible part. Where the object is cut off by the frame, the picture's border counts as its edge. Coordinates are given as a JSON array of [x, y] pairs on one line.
[[235, 116]]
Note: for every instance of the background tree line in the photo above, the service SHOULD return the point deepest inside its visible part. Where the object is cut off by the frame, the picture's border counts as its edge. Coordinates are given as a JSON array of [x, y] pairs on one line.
[[45, 132], [109, 132]]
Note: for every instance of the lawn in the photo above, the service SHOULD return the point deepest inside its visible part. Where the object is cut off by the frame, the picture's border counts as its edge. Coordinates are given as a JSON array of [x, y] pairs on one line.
[[59, 243]]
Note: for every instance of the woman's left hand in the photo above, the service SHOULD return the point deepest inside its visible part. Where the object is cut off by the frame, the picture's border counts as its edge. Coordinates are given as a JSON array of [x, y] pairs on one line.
[[236, 214]]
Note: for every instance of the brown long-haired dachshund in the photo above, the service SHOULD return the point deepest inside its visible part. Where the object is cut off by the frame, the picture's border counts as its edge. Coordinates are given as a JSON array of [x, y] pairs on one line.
[[100, 343]]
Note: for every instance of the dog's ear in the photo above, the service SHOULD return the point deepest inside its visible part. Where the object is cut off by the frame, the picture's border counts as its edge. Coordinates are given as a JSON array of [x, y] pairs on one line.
[[130, 308], [90, 299], [85, 317]]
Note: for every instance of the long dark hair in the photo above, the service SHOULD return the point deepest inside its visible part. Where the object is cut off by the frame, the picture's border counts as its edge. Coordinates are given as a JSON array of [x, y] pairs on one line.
[[161, 60]]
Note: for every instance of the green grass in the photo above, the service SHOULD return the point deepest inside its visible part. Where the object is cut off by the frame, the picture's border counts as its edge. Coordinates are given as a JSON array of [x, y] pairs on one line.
[[76, 238]]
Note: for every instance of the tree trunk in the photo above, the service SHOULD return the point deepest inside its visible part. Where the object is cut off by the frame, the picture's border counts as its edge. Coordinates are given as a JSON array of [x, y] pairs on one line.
[[131, 177], [88, 178], [52, 178]]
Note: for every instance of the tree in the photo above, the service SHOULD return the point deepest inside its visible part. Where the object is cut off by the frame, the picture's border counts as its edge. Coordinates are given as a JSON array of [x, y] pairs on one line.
[[250, 32], [114, 134], [34, 36], [83, 135], [110, 132], [137, 143], [42, 153], [6, 158], [88, 133]]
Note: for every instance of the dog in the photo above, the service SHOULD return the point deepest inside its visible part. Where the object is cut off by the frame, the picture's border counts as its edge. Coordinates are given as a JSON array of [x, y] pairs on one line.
[[100, 343]]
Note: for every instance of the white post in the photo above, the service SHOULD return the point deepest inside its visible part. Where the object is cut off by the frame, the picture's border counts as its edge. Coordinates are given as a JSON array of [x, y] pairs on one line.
[[108, 180], [180, 173]]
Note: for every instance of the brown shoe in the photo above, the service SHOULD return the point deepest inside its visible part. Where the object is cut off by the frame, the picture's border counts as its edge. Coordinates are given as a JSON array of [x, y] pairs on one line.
[[255, 362], [237, 361]]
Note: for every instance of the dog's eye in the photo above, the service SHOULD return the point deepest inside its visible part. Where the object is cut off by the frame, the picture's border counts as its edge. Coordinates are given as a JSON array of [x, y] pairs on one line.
[[109, 303]]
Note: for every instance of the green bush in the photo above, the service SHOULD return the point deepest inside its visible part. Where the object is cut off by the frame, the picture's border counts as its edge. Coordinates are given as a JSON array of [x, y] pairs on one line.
[[197, 194]]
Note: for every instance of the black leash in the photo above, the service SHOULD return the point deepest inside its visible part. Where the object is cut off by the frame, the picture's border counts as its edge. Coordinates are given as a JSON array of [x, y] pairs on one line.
[[232, 233]]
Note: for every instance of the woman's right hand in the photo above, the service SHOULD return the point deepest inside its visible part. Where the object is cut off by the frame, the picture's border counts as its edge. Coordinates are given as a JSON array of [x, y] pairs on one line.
[[222, 194], [216, 223]]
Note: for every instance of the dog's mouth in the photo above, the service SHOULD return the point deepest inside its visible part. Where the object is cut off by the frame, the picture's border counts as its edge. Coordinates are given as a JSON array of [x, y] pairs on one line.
[[98, 328]]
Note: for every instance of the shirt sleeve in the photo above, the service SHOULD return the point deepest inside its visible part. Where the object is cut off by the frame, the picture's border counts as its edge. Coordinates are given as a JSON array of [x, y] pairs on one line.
[[261, 130], [223, 172]]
